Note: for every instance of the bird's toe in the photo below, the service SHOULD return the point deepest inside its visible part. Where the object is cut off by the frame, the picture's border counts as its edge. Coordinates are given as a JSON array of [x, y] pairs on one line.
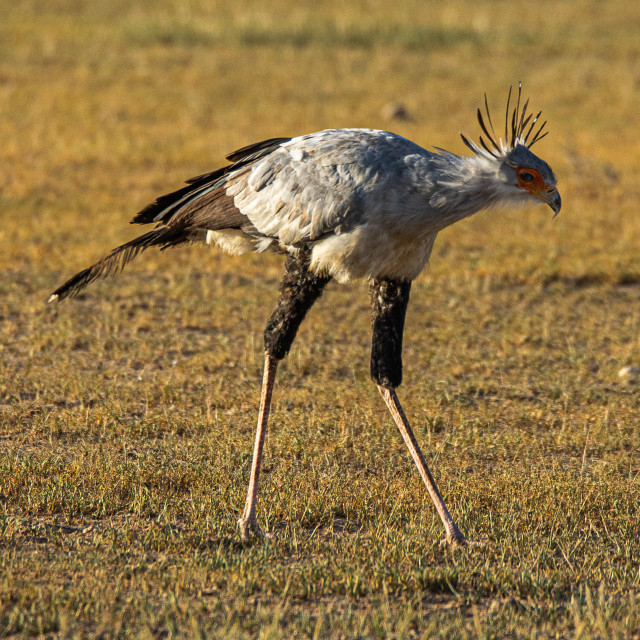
[[249, 528]]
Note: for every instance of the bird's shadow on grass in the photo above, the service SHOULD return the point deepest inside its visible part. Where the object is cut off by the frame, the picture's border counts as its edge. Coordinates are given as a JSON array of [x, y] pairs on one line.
[[324, 529], [228, 543]]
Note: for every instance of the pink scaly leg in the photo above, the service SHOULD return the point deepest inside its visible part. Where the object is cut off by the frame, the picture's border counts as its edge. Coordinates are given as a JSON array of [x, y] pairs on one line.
[[248, 523], [453, 535]]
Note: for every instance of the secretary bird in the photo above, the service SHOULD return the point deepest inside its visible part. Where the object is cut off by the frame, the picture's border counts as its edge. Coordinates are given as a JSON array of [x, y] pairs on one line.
[[343, 204]]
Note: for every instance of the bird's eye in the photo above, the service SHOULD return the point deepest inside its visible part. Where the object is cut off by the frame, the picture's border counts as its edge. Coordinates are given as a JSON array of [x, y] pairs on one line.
[[526, 177]]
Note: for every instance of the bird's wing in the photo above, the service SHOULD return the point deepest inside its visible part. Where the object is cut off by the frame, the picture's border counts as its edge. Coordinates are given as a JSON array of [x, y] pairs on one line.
[[318, 184], [206, 191]]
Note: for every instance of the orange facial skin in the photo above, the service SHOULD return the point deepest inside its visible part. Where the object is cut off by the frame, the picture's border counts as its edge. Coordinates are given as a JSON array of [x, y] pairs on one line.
[[532, 181]]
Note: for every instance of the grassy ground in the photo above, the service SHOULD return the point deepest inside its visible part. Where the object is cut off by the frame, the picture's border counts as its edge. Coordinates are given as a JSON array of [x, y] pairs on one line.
[[127, 415]]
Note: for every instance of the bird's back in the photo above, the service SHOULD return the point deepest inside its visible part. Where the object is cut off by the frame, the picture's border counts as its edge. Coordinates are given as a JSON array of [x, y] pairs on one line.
[[327, 181]]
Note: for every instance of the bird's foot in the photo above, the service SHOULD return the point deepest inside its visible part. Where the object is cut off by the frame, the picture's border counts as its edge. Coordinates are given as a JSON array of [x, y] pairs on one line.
[[249, 527]]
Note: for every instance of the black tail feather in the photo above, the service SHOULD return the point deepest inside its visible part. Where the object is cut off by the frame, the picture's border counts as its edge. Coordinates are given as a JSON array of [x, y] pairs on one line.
[[118, 258], [173, 214]]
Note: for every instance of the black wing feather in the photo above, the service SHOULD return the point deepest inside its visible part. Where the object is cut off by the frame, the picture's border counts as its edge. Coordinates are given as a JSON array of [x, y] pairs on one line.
[[164, 207]]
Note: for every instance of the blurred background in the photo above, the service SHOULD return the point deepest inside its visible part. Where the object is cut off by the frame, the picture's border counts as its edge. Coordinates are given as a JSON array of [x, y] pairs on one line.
[[105, 105]]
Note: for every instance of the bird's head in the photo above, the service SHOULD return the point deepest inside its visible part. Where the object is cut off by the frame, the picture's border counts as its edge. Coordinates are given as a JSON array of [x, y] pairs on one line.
[[522, 174]]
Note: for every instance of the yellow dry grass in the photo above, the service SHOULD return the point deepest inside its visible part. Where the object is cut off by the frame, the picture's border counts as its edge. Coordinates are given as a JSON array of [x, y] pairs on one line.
[[127, 415]]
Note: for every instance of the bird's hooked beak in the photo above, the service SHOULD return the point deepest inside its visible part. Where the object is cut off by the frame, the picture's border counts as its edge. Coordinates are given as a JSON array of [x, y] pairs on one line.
[[552, 198]]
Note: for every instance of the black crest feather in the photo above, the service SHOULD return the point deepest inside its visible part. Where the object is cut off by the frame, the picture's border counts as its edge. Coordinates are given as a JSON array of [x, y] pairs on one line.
[[515, 127]]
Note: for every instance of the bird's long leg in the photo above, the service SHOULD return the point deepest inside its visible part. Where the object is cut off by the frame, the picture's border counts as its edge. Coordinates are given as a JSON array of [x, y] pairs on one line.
[[389, 300], [453, 534], [299, 289], [248, 523]]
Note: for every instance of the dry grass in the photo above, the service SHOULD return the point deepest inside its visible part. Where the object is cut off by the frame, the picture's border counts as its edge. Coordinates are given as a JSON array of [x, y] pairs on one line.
[[127, 415]]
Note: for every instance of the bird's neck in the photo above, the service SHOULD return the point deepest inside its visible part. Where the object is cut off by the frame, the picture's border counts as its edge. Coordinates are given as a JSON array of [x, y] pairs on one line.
[[467, 184]]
